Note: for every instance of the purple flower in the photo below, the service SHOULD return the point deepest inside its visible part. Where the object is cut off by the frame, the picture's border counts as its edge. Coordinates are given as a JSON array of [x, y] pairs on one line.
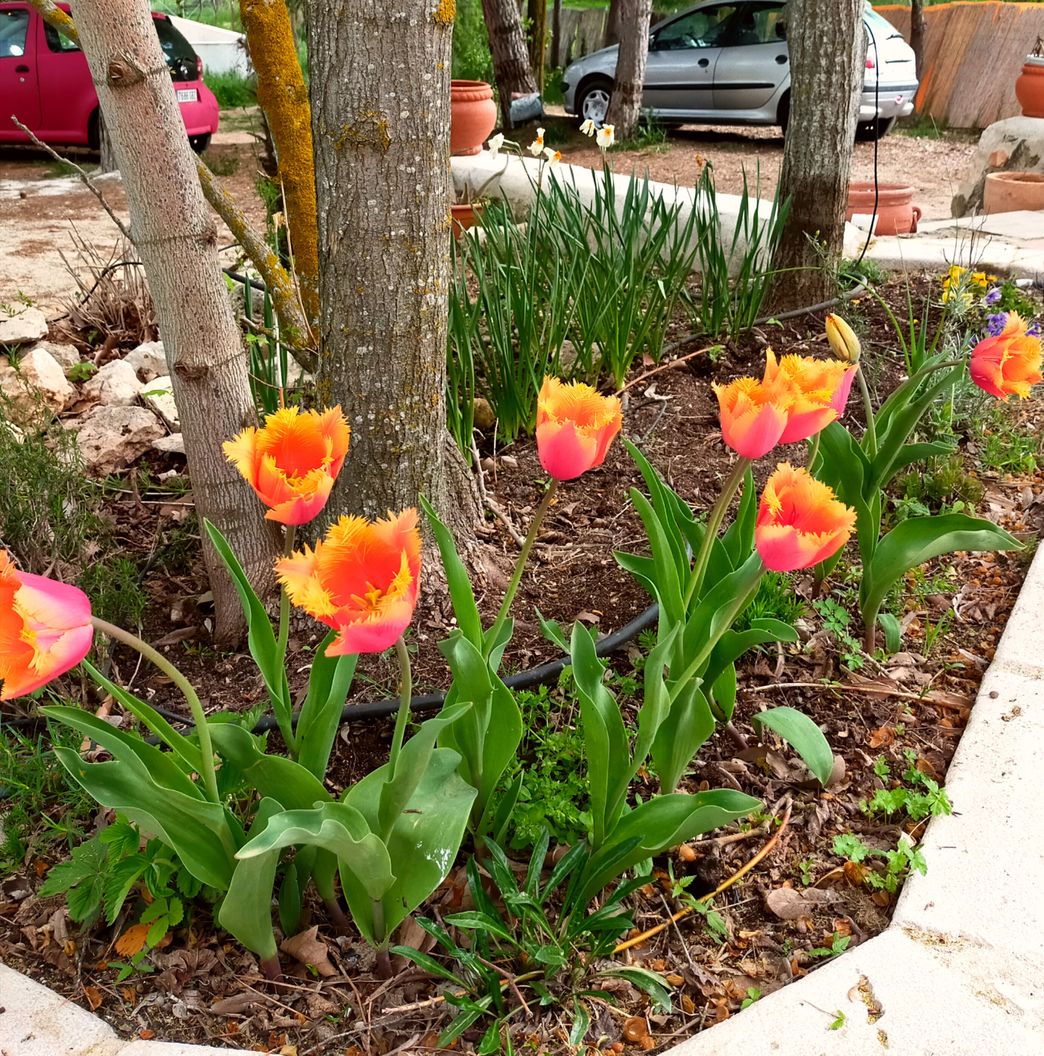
[[1034, 329], [995, 323], [993, 296]]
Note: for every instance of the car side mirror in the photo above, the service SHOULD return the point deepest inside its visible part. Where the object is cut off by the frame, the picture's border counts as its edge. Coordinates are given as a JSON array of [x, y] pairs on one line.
[[654, 44]]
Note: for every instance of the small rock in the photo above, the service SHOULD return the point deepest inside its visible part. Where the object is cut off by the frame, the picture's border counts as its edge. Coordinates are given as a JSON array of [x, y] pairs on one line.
[[484, 417], [12, 430], [21, 325], [34, 387], [111, 438], [66, 356], [171, 445], [115, 385], [159, 395], [148, 359]]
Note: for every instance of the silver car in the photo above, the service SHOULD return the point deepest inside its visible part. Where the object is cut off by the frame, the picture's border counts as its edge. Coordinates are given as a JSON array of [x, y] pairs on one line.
[[727, 63]]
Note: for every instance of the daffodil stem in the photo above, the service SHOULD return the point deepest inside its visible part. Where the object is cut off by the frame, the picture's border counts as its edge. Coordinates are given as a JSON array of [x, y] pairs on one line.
[[206, 747], [286, 728], [405, 696], [714, 519], [868, 411], [523, 557]]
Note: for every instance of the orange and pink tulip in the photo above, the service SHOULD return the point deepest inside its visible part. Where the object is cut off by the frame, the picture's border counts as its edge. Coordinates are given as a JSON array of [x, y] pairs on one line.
[[45, 629], [362, 580], [800, 521], [753, 416], [1009, 363], [574, 427], [292, 461], [815, 392]]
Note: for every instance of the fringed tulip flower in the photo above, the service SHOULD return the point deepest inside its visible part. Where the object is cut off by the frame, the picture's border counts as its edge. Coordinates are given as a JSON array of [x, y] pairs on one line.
[[815, 392], [1008, 363], [800, 521], [292, 461], [45, 629], [361, 580], [753, 416], [574, 427]]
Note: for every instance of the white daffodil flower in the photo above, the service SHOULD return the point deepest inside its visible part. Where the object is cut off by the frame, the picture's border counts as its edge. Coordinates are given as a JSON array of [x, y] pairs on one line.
[[494, 145], [588, 128], [606, 136], [536, 148], [553, 156]]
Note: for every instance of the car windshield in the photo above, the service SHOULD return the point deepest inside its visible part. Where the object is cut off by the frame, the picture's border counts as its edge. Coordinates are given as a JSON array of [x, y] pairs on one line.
[[177, 51]]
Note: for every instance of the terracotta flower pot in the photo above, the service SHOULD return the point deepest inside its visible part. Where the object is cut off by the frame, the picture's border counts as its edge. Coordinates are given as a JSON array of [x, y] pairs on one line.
[[896, 213], [1006, 192], [472, 115], [465, 215], [1029, 87]]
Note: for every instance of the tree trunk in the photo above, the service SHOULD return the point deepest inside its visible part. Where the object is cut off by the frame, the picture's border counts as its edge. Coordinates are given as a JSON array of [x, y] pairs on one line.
[[556, 35], [625, 106], [537, 40], [380, 121], [283, 96], [176, 238], [917, 33], [106, 156], [614, 22], [827, 47], [507, 45]]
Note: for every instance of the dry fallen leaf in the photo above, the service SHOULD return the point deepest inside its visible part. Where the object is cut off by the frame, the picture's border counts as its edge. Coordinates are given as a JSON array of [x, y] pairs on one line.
[[307, 948], [132, 941], [788, 904], [94, 997]]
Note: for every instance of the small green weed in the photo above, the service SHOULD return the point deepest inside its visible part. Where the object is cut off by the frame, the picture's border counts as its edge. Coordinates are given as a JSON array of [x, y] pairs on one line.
[[898, 864], [82, 371], [919, 796], [837, 620], [775, 600], [115, 591], [838, 944], [753, 993]]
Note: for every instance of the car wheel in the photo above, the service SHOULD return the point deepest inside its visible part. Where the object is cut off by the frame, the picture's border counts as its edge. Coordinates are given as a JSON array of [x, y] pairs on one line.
[[199, 143], [868, 131], [592, 102]]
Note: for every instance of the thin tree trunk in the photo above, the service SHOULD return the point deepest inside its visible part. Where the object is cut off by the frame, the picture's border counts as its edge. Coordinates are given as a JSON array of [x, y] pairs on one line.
[[827, 47], [176, 239], [537, 40], [614, 22], [507, 45], [917, 33], [556, 35], [380, 116], [283, 96], [625, 106]]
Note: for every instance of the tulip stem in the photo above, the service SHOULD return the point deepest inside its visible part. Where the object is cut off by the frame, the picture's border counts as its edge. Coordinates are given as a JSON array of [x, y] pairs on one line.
[[714, 519], [405, 695], [523, 557], [285, 727], [868, 411], [813, 452], [206, 747]]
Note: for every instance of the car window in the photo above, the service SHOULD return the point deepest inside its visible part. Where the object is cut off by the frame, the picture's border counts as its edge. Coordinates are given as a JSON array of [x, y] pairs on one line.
[[57, 41], [176, 50], [13, 28], [697, 29], [755, 24]]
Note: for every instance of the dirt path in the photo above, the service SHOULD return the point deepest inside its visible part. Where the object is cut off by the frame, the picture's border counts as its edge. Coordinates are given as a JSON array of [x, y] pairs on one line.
[[43, 211]]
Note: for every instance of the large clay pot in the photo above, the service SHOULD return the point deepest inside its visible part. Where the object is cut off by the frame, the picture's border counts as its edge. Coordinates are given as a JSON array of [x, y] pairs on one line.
[[473, 115], [896, 213], [1029, 87], [1007, 191]]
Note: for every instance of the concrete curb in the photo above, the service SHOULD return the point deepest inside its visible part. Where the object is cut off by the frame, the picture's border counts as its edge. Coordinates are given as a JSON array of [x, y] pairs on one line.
[[959, 972]]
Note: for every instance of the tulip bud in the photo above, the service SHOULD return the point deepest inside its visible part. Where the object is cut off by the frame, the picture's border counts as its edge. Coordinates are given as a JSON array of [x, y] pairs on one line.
[[842, 339]]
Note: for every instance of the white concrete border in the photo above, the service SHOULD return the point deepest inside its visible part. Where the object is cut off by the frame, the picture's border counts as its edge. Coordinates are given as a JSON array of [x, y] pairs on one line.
[[959, 972]]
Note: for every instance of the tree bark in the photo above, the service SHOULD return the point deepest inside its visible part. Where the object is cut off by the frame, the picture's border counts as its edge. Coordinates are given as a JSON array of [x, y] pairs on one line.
[[507, 45], [625, 106], [283, 96], [614, 23], [827, 46], [380, 120], [176, 239], [917, 33], [556, 35], [537, 40]]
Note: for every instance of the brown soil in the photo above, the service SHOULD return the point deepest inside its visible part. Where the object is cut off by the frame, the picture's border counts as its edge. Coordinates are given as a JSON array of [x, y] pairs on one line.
[[205, 989]]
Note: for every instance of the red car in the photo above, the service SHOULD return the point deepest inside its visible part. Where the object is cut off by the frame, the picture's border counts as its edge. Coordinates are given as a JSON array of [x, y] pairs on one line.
[[46, 84]]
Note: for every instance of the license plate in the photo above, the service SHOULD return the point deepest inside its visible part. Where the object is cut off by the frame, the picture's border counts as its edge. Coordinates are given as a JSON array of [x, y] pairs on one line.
[[188, 95]]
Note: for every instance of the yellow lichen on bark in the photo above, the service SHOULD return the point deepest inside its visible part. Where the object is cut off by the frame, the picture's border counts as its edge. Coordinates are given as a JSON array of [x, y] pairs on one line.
[[445, 12], [283, 96]]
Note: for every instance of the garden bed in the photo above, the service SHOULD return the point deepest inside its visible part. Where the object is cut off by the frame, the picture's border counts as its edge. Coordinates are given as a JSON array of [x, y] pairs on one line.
[[893, 720]]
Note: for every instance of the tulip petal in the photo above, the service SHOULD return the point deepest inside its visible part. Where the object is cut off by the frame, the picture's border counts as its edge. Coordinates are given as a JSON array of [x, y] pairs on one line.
[[575, 427]]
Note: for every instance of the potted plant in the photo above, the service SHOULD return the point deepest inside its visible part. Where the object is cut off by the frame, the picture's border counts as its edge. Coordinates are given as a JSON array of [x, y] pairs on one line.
[[472, 115], [1029, 87]]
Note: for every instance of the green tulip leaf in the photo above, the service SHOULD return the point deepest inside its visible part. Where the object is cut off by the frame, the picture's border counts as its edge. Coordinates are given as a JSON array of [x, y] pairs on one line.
[[804, 736], [328, 684]]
